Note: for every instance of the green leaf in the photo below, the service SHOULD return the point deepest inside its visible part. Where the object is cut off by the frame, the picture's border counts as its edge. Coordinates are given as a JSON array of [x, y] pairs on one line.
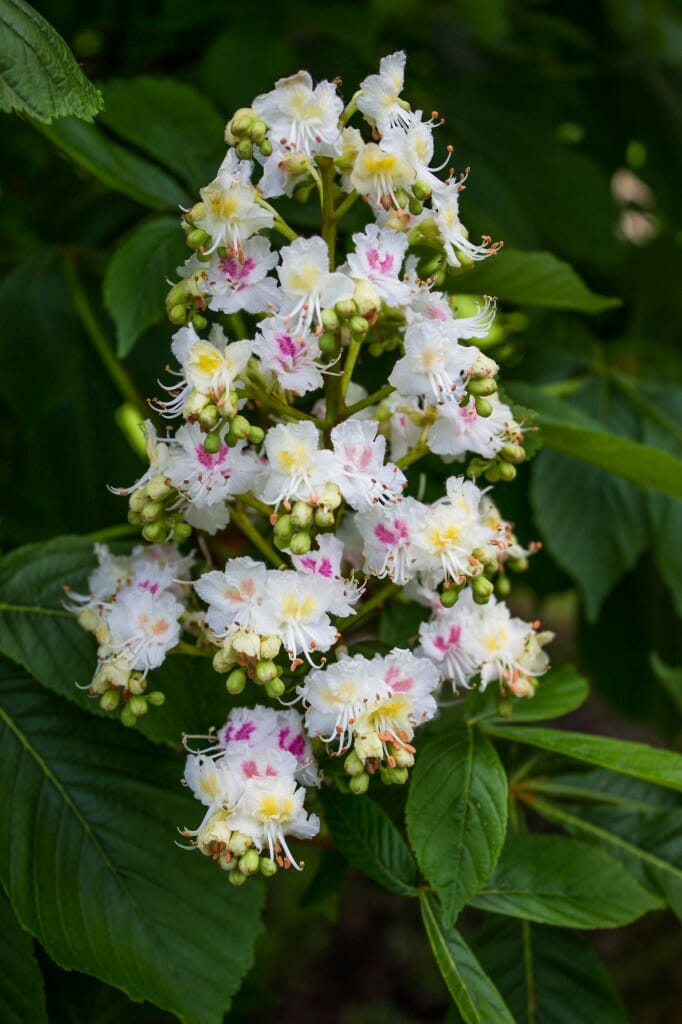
[[22, 996], [531, 279], [559, 693], [38, 73], [653, 764], [547, 975], [474, 993], [671, 678], [169, 121], [118, 168], [369, 840], [39, 634], [89, 860], [568, 429], [135, 284], [559, 881], [661, 421], [456, 815]]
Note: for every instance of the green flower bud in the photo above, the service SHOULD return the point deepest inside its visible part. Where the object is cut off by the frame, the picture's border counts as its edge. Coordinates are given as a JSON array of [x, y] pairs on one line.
[[415, 206], [492, 473], [346, 309], [256, 435], [138, 499], [330, 320], [127, 717], [212, 443], [236, 877], [257, 131], [242, 120], [275, 688], [240, 427], [159, 488], [324, 518], [266, 147], [421, 191], [359, 784], [110, 700], [181, 532], [249, 862], [399, 776], [236, 681], [156, 532], [303, 192], [507, 471], [151, 511], [517, 564], [401, 198], [266, 671], [514, 453], [198, 321], [198, 212], [483, 407], [481, 589], [156, 698], [505, 708], [197, 238], [244, 149], [178, 315], [448, 598], [177, 295], [301, 514], [239, 843], [327, 343], [483, 386], [267, 867], [138, 706], [353, 765], [503, 586], [403, 758], [366, 298], [209, 416], [137, 683], [283, 529], [300, 543], [359, 326], [270, 647]]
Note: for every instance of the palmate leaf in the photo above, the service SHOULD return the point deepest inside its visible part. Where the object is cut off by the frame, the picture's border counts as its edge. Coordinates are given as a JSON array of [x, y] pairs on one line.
[[456, 815], [89, 860], [22, 996], [369, 840], [38, 73], [39, 633], [475, 995], [559, 881]]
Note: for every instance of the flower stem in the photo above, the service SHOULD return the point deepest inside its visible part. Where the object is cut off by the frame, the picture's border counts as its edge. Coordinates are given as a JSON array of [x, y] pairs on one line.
[[374, 602], [242, 522], [191, 650], [345, 205], [280, 224], [414, 455], [273, 404], [119, 376], [373, 399]]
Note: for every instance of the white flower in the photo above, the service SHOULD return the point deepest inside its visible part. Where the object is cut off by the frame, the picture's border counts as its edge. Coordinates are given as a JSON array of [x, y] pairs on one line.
[[143, 626], [238, 280], [231, 213], [434, 365], [296, 467], [447, 641], [336, 696], [208, 368], [206, 478], [378, 257], [157, 453], [404, 427], [455, 238], [296, 608], [292, 357], [387, 535], [460, 429], [506, 647], [232, 594], [325, 565], [304, 118], [380, 99], [308, 285], [415, 146], [361, 474], [378, 173], [449, 531], [265, 732], [282, 171], [270, 809]]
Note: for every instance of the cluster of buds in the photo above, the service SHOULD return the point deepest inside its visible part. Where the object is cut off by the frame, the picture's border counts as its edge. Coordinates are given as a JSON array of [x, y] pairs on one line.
[[279, 438]]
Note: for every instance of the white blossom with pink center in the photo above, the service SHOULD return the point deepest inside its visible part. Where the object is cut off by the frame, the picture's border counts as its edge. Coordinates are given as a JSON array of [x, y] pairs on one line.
[[388, 545], [238, 280], [293, 358], [206, 478], [378, 258], [232, 594], [361, 474]]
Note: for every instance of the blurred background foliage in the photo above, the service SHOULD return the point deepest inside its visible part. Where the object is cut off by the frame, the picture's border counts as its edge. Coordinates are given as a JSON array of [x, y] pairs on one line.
[[569, 115]]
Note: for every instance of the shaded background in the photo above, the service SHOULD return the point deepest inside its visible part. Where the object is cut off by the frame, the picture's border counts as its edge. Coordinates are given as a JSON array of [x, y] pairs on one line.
[[569, 115]]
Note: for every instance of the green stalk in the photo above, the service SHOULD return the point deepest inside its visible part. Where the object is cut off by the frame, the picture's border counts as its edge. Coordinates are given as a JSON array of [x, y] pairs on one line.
[[266, 549]]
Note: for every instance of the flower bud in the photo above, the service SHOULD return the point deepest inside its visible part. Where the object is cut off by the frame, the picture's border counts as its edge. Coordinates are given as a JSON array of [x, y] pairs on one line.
[[503, 586], [138, 499], [194, 403], [137, 683], [267, 867], [514, 453], [353, 765], [244, 149], [266, 671], [266, 147], [366, 298], [403, 758], [275, 688], [197, 238], [517, 564], [421, 191], [327, 343], [359, 784], [212, 443], [283, 529], [358, 326], [346, 309], [209, 416], [300, 543], [151, 511], [249, 862], [138, 706], [483, 407], [507, 471], [242, 119], [236, 877], [240, 427], [481, 589], [330, 496], [330, 320], [246, 642], [482, 386], [109, 701], [270, 647], [156, 698], [127, 717], [239, 843], [236, 681], [257, 131], [178, 314], [159, 488], [448, 598], [181, 532], [156, 532], [324, 518], [415, 206], [255, 435], [301, 514]]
